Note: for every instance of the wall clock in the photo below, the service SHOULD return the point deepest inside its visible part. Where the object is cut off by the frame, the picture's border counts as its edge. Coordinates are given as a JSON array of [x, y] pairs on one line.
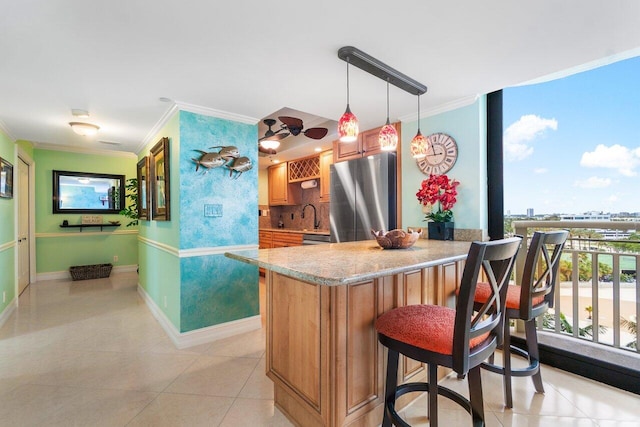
[[442, 154]]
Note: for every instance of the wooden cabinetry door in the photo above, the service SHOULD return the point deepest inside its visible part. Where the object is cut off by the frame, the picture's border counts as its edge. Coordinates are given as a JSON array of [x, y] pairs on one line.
[[346, 150], [283, 240], [265, 240], [369, 144], [326, 160], [278, 184]]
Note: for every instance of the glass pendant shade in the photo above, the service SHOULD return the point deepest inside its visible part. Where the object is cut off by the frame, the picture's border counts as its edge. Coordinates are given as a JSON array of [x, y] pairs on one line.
[[348, 126], [388, 137], [419, 146], [270, 144]]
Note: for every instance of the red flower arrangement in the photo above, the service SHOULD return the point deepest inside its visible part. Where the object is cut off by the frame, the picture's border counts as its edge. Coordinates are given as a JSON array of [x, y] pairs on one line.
[[438, 189]]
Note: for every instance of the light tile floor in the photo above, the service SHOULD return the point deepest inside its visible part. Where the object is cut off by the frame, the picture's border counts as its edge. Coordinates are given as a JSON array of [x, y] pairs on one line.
[[89, 353]]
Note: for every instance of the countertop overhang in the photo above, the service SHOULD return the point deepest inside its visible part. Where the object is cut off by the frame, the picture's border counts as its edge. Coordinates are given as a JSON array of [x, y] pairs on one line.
[[353, 262]]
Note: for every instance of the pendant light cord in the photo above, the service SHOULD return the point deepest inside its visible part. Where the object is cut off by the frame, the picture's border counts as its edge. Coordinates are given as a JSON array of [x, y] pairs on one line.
[[387, 100], [418, 113], [347, 82]]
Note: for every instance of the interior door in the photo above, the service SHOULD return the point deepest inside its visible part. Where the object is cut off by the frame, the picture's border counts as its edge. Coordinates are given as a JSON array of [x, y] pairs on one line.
[[23, 225]]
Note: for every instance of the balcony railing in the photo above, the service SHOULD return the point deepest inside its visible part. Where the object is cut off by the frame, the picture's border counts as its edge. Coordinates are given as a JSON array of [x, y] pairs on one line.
[[598, 296]]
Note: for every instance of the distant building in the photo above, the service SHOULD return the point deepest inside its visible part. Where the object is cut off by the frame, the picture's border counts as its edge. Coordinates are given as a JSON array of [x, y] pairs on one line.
[[530, 213], [587, 216]]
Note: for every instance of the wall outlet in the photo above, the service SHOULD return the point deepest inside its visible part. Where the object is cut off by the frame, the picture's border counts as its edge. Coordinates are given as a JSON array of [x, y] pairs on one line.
[[165, 301], [291, 216], [115, 258]]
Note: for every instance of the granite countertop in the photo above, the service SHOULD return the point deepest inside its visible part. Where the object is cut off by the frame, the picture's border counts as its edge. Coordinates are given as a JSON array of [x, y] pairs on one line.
[[293, 230], [352, 262]]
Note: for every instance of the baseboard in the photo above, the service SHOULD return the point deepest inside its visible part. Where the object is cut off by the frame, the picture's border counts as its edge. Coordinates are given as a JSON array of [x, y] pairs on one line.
[[65, 275], [8, 311], [200, 336], [580, 360]]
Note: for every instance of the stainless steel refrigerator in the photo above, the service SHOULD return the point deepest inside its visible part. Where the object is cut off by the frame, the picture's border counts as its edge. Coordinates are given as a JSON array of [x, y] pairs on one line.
[[363, 197]]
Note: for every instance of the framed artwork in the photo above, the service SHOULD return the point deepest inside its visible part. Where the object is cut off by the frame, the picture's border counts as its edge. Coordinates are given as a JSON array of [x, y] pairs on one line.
[[159, 181], [143, 188], [6, 179]]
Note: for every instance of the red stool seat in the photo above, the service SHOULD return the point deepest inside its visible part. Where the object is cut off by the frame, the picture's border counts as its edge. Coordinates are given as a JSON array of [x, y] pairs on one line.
[[513, 295], [429, 327]]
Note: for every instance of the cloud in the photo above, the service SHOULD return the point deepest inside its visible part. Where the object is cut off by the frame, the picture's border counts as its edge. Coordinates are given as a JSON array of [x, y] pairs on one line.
[[593, 182], [519, 134], [540, 170], [618, 157]]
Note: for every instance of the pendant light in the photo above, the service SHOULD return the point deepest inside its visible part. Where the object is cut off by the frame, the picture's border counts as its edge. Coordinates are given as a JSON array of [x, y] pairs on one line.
[[348, 123], [419, 143], [388, 136]]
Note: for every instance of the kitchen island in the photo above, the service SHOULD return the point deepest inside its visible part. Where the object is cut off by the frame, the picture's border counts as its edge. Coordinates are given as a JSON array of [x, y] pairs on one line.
[[322, 350]]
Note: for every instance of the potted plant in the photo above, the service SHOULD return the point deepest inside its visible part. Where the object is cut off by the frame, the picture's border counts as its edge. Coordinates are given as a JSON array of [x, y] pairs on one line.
[[438, 194], [131, 196]]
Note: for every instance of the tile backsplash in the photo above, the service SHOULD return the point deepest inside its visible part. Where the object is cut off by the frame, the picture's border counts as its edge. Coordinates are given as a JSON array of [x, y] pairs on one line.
[[292, 215]]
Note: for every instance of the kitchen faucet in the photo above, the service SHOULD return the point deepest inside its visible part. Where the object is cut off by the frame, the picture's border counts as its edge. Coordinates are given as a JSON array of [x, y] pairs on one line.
[[316, 223]]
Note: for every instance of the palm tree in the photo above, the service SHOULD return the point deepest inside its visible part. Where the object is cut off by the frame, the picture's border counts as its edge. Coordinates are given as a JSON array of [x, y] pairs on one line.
[[632, 326]]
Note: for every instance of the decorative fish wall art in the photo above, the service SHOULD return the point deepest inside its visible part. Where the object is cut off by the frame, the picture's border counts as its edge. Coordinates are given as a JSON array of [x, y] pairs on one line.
[[228, 156]]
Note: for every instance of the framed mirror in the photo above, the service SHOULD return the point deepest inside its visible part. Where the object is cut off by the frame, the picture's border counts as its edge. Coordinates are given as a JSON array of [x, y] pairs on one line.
[[85, 192], [143, 188], [6, 179], [159, 181]]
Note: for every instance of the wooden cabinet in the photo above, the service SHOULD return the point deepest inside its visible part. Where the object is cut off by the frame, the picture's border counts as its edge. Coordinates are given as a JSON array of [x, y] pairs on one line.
[[268, 239], [283, 240], [326, 160], [366, 145], [280, 191], [265, 239]]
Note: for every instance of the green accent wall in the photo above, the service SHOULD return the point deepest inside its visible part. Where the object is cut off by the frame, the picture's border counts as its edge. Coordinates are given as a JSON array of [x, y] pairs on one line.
[[7, 230], [159, 260], [58, 249], [467, 125]]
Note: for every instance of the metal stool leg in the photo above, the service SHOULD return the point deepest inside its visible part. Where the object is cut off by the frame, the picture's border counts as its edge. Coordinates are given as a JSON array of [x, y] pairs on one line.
[[534, 354], [391, 384]]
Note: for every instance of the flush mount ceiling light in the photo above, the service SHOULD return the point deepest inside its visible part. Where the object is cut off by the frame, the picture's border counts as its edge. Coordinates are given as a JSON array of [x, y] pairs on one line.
[[270, 144], [419, 143], [84, 129], [379, 69], [348, 123], [388, 136]]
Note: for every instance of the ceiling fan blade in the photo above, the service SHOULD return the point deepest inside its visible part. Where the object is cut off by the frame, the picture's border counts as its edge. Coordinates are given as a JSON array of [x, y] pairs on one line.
[[316, 133], [275, 137], [291, 122]]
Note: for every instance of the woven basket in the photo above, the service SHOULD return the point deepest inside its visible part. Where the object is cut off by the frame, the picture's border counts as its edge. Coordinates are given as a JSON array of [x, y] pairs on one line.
[[84, 272]]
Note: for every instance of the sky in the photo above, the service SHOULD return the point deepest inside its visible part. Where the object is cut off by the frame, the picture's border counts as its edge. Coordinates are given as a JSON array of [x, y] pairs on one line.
[[572, 145]]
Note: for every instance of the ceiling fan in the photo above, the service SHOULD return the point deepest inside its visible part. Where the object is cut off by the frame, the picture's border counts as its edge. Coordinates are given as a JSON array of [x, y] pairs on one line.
[[290, 126]]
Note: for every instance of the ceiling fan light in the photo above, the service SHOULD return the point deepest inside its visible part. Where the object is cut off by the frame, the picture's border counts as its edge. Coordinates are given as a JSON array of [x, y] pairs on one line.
[[348, 126], [419, 146], [388, 137], [269, 144], [84, 129]]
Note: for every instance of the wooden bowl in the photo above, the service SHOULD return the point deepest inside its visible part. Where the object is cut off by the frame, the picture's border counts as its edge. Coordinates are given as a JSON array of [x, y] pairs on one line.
[[397, 239]]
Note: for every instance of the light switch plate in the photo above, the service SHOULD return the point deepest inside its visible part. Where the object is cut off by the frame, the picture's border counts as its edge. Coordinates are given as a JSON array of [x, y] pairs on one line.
[[213, 210]]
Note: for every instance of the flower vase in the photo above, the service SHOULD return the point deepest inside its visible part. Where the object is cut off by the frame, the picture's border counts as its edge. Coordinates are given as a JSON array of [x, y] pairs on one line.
[[441, 230]]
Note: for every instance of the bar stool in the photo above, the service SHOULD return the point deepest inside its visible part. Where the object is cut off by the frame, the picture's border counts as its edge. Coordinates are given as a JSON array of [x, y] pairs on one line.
[[526, 302], [440, 336]]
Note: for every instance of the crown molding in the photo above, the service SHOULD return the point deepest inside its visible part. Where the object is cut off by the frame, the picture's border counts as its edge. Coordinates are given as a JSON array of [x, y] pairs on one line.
[[443, 108], [205, 111], [5, 130], [157, 127], [82, 150], [192, 108]]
